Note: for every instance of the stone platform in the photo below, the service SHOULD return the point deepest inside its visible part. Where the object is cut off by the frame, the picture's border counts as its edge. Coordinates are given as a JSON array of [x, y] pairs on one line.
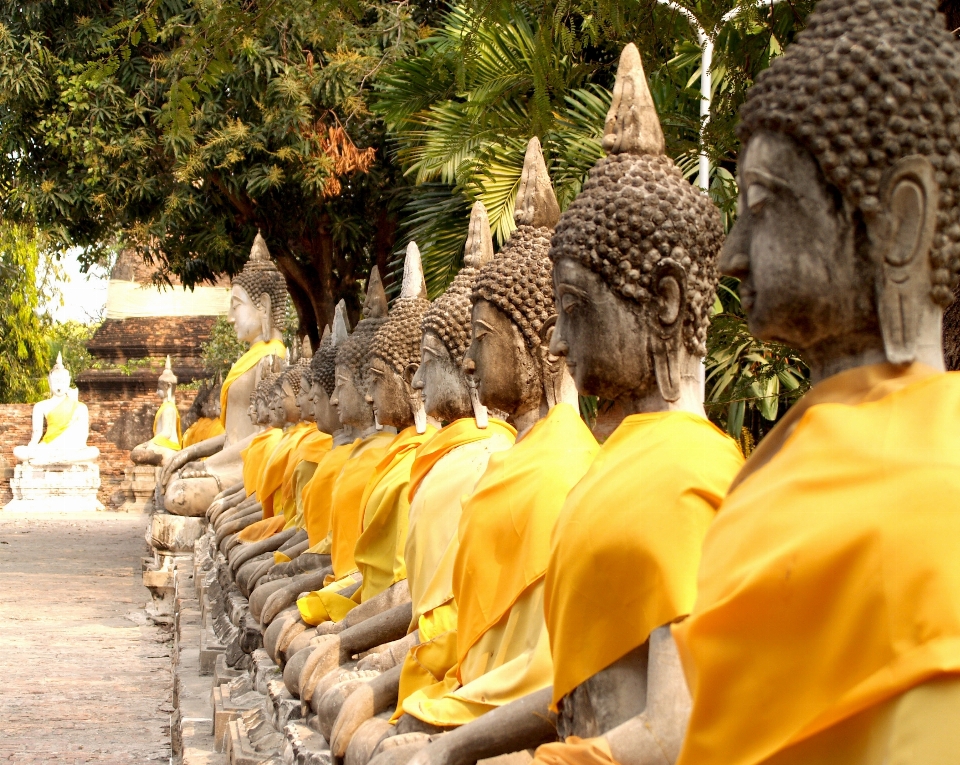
[[55, 488]]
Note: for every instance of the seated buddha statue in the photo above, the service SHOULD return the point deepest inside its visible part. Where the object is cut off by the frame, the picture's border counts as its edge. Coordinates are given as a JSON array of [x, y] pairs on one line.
[[497, 649], [61, 425], [634, 279], [352, 380], [207, 423], [378, 551], [827, 626], [258, 307], [167, 437], [279, 464]]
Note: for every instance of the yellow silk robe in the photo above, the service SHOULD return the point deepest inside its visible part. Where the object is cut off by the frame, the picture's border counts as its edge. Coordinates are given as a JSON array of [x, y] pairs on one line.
[[446, 470], [160, 440], [626, 547], [827, 627], [244, 364], [254, 457], [503, 652], [58, 419], [317, 496], [201, 430], [311, 451], [345, 518]]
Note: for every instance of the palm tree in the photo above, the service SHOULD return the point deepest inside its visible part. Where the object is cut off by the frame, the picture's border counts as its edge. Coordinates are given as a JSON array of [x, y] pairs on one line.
[[460, 111]]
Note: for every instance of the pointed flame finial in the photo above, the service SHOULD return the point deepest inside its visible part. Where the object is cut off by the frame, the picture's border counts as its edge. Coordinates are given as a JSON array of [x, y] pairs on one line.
[[167, 376], [306, 348], [326, 335], [341, 325], [59, 364], [259, 251], [536, 203], [414, 283], [479, 248], [375, 303], [632, 125]]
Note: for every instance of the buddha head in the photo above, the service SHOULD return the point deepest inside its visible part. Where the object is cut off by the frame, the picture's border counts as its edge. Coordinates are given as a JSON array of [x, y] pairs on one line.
[[167, 383], [354, 357], [59, 378], [287, 392], [323, 371], [513, 306], [446, 330], [396, 352], [634, 264], [305, 396], [258, 297], [262, 401], [847, 246]]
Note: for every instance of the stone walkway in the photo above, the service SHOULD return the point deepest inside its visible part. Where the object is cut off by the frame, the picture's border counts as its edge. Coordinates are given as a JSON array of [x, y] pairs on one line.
[[84, 676]]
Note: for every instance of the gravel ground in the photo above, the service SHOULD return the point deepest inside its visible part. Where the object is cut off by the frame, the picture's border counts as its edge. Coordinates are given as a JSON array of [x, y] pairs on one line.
[[84, 675]]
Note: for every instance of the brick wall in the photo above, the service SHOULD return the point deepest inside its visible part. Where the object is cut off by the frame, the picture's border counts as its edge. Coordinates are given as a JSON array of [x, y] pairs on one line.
[[115, 428]]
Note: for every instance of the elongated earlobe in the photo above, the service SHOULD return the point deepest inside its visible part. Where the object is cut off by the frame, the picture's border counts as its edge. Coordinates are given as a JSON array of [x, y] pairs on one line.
[[901, 236], [666, 339]]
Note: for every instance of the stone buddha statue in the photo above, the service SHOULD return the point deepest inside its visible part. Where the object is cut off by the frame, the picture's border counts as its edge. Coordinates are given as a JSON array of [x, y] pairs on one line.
[[833, 636], [501, 652], [634, 277], [257, 312], [207, 412], [167, 436], [378, 551], [61, 425], [445, 468], [354, 357]]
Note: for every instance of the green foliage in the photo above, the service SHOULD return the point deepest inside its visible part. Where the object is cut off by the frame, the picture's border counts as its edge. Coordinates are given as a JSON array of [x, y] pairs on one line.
[[23, 349], [222, 350], [181, 127], [750, 383], [69, 339]]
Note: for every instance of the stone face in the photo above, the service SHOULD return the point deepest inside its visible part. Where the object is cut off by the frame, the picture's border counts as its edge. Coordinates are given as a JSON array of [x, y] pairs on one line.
[[55, 489]]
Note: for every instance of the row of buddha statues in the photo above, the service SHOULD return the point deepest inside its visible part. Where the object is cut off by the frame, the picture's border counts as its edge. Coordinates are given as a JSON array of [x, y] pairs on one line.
[[449, 567]]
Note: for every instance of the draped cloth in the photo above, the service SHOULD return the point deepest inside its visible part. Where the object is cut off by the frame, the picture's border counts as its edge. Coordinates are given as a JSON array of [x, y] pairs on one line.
[[830, 581], [502, 648], [275, 468], [201, 430], [626, 546], [317, 495], [457, 456], [254, 457], [58, 419], [379, 549], [244, 364], [346, 515], [161, 440], [312, 447]]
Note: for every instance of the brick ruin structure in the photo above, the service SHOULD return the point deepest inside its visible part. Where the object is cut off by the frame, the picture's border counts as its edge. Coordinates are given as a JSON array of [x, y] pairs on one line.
[[143, 324]]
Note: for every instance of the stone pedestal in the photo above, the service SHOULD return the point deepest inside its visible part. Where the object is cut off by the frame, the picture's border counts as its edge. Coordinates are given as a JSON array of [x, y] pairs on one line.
[[172, 538], [55, 488], [139, 484]]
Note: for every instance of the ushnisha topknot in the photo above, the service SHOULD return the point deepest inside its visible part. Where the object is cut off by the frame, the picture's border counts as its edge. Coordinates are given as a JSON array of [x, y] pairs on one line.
[[324, 362], [397, 341], [518, 281], [265, 388], [260, 276], [636, 211], [167, 376], [449, 315], [868, 83], [355, 353], [292, 376]]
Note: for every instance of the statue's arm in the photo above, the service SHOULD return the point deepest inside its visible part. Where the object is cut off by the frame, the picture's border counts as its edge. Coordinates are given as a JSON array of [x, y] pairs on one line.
[[191, 453], [655, 736], [523, 724], [230, 455], [38, 418]]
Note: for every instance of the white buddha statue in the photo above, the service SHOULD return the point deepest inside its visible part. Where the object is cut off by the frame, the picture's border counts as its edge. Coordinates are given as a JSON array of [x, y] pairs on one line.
[[61, 425]]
